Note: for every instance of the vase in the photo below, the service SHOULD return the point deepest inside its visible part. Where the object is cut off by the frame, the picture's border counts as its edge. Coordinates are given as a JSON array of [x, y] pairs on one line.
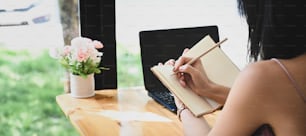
[[82, 87]]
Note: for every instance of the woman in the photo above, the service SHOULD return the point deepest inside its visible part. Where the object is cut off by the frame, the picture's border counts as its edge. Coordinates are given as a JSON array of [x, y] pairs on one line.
[[268, 96]]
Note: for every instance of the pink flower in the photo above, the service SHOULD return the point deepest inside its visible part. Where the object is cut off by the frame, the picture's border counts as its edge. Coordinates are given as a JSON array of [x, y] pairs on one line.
[[82, 55], [81, 49], [97, 44], [80, 41], [66, 50]]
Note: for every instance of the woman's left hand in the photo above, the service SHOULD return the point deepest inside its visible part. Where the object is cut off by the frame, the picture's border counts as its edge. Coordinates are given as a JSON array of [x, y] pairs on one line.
[[171, 62]]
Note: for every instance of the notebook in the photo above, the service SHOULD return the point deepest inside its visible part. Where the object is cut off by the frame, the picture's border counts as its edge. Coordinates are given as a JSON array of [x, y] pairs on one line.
[[161, 45], [218, 67]]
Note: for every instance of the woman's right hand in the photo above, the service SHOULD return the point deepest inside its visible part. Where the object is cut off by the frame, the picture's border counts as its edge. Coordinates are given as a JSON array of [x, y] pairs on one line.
[[193, 76]]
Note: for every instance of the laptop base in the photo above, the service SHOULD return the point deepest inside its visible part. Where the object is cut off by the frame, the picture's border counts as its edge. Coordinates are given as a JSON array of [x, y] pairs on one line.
[[165, 98]]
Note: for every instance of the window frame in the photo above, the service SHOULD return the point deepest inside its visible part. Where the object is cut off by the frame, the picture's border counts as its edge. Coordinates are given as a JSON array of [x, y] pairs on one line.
[[97, 21]]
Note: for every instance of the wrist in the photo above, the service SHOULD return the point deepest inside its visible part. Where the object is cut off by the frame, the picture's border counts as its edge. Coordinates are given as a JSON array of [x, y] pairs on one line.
[[186, 115], [180, 109], [217, 92], [211, 88]]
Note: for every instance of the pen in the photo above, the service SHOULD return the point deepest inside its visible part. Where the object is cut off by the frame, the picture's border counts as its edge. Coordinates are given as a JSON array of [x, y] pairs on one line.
[[204, 53]]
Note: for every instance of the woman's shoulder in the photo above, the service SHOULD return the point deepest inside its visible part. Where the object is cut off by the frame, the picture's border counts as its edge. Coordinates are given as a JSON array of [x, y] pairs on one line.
[[272, 68], [260, 80], [247, 100], [268, 81], [260, 92], [256, 80], [260, 72], [260, 66]]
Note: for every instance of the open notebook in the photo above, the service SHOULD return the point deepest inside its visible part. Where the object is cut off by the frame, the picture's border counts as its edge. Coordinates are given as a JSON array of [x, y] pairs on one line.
[[218, 66]]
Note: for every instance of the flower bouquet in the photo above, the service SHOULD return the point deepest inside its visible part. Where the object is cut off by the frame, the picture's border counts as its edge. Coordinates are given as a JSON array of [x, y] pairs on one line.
[[81, 59]]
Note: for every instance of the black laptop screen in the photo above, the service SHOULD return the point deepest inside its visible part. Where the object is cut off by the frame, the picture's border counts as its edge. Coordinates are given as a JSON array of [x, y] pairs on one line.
[[161, 45]]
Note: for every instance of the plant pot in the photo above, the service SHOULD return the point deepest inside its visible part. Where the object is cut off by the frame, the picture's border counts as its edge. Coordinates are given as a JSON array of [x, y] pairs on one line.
[[82, 87]]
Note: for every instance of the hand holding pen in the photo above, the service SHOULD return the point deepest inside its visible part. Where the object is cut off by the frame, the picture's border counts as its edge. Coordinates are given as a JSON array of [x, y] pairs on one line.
[[190, 71]]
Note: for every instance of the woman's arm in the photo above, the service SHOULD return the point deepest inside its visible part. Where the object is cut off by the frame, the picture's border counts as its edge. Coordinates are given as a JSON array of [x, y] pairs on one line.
[[243, 111], [192, 125], [196, 79], [217, 92]]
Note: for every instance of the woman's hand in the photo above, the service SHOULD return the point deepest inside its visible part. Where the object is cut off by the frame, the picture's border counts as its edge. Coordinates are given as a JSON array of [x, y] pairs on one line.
[[178, 102], [193, 76], [169, 62]]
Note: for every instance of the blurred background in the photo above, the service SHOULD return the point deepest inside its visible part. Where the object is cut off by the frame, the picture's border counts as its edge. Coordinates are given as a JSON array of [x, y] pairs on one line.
[[30, 79]]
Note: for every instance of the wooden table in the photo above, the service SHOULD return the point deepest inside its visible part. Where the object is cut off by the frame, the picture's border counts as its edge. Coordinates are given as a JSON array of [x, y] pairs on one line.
[[124, 112]]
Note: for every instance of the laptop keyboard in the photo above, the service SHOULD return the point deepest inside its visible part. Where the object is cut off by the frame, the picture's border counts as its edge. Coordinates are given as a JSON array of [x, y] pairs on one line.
[[165, 98]]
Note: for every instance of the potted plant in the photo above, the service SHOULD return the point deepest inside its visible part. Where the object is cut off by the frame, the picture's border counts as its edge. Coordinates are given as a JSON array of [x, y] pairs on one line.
[[81, 59]]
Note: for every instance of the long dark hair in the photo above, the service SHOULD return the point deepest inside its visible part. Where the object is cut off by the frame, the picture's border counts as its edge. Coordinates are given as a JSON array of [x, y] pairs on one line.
[[276, 28]]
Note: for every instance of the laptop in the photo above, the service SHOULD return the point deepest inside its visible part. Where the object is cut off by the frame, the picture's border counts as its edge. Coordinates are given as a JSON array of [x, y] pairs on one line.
[[164, 44]]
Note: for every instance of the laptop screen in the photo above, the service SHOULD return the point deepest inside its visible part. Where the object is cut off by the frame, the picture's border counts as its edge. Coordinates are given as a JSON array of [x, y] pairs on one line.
[[161, 45]]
